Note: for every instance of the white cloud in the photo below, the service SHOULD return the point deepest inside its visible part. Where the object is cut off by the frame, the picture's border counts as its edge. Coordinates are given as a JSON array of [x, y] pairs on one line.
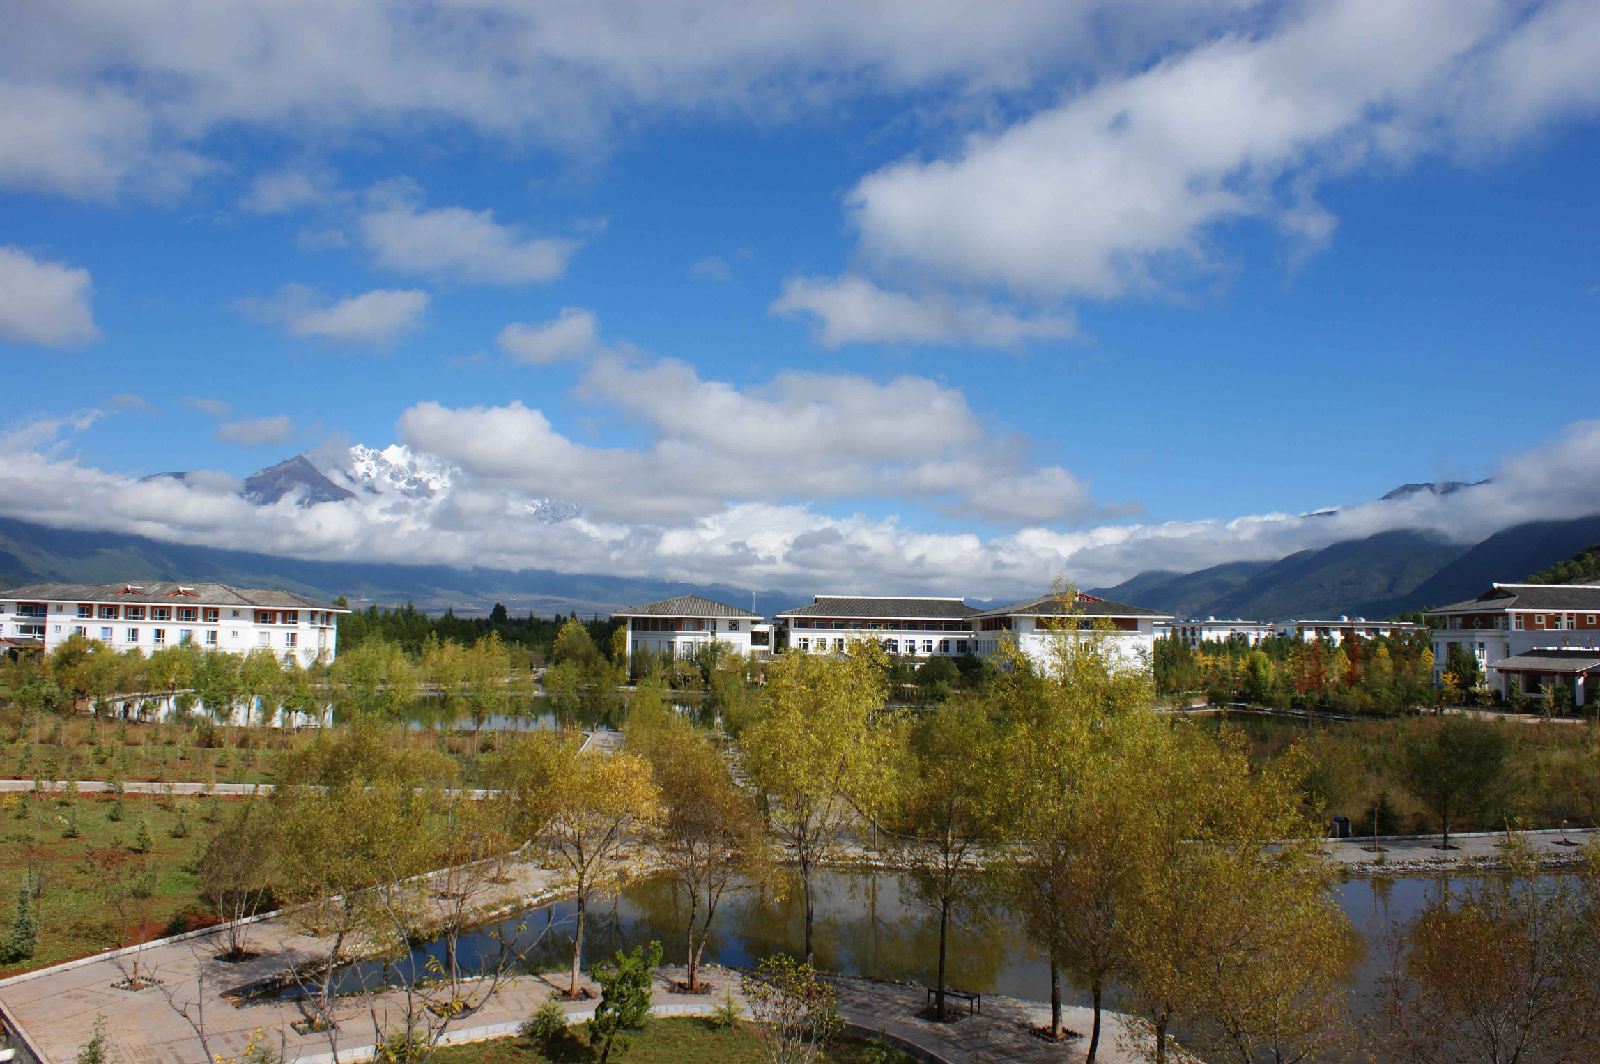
[[216, 408], [130, 401], [852, 309], [1118, 189], [99, 96], [714, 268], [479, 515], [375, 317], [253, 432], [812, 436], [574, 334], [45, 303], [283, 191], [456, 242]]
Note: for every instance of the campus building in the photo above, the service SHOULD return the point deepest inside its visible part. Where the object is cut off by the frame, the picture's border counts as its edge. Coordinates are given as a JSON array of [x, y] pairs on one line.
[[915, 627], [1525, 634], [677, 627], [151, 615], [1193, 632], [1343, 629], [1127, 632]]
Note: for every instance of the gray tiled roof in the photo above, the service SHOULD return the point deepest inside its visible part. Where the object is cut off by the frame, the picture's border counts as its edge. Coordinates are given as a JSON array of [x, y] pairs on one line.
[[1552, 597], [685, 606], [164, 592], [1052, 605], [1553, 659], [931, 609]]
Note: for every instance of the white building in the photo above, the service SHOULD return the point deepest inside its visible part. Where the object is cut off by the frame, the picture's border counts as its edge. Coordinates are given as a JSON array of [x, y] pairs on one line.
[[1038, 625], [1512, 620], [915, 627], [151, 615], [1194, 632], [1336, 632], [677, 627]]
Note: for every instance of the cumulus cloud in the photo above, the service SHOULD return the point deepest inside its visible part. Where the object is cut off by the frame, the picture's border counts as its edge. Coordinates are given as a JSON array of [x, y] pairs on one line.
[[45, 303], [1118, 189], [455, 242], [254, 432], [283, 191], [371, 318], [574, 334], [100, 97], [852, 309], [214, 407], [480, 514], [802, 435], [714, 268]]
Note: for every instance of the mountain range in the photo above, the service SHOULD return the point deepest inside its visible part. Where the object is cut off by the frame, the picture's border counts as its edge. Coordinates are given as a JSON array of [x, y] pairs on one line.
[[1379, 576]]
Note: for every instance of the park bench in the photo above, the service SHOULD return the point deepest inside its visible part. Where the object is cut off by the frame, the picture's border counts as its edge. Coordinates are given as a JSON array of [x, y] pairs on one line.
[[973, 999]]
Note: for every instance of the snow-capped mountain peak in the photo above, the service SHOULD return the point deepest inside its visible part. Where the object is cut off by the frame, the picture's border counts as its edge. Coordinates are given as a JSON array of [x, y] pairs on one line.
[[397, 469]]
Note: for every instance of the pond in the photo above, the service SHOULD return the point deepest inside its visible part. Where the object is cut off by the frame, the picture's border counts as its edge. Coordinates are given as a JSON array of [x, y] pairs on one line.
[[867, 924]]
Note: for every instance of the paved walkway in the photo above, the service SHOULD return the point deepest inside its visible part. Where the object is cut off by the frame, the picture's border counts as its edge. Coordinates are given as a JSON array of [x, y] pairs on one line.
[[1419, 854]]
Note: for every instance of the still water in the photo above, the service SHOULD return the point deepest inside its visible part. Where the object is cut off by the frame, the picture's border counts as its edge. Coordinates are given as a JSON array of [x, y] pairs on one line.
[[527, 711], [867, 924]]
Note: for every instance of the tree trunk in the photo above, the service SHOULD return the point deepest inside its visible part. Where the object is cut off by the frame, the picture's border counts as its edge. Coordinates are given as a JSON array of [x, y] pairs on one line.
[[944, 926], [1094, 1032], [1161, 1039], [577, 948], [688, 945], [1055, 999], [811, 956]]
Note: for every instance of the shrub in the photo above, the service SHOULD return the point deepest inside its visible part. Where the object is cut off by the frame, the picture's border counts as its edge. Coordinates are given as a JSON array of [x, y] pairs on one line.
[[545, 1024]]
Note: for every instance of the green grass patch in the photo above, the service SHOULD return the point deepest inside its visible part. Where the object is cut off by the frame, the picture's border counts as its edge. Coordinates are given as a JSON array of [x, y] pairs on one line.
[[102, 882], [664, 1041]]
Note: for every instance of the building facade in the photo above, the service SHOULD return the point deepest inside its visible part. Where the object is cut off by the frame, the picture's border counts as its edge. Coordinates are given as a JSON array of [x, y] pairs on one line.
[[678, 627], [1345, 628], [151, 615], [914, 627], [1128, 633], [1193, 632], [1512, 620]]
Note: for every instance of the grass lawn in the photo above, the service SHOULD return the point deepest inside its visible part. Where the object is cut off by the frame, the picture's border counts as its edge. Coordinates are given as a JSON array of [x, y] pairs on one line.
[[665, 1041], [99, 888]]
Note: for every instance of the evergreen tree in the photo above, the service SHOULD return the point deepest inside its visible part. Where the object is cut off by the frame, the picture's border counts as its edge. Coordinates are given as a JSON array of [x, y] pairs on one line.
[[24, 931]]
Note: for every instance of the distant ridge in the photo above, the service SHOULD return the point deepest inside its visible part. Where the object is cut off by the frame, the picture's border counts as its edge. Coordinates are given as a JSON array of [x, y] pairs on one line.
[[31, 553], [1380, 576]]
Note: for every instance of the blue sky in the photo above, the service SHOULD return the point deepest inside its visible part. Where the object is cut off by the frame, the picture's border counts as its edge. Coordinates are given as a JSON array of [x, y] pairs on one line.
[[936, 296]]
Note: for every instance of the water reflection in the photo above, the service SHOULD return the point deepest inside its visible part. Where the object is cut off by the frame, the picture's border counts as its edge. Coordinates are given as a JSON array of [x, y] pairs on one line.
[[526, 711]]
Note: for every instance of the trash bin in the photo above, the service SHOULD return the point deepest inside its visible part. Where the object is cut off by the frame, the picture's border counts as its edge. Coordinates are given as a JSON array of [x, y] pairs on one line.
[[1340, 828]]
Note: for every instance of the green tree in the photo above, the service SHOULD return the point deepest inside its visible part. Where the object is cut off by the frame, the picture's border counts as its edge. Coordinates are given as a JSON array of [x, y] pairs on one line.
[[813, 754], [97, 1050], [1453, 767], [24, 936], [795, 1013], [712, 841], [1463, 665], [624, 997], [941, 812], [237, 869], [598, 803]]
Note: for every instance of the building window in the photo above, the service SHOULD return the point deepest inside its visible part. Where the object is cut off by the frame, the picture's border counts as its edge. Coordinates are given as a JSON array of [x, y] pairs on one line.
[[733, 626], [158, 636], [188, 613], [105, 634], [108, 613], [263, 638], [805, 645], [79, 629], [1589, 620], [133, 613], [185, 637], [927, 646], [289, 638], [211, 639], [961, 646], [1517, 623], [944, 646], [290, 617], [161, 613], [133, 635], [85, 610], [212, 615]]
